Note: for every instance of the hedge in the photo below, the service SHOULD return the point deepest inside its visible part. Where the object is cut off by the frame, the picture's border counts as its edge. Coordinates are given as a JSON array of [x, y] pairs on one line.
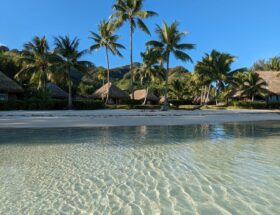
[[256, 105], [52, 104]]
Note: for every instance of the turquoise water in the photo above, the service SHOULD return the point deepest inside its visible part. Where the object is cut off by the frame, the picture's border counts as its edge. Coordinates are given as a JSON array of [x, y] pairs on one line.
[[202, 169]]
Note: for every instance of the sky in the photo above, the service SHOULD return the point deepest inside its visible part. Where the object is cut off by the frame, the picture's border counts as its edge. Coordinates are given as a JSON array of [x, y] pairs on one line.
[[247, 29]]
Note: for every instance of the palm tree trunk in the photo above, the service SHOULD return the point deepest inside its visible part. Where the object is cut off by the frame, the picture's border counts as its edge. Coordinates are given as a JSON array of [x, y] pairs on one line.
[[108, 74], [165, 108], [253, 98], [208, 94], [69, 90], [146, 96], [131, 59]]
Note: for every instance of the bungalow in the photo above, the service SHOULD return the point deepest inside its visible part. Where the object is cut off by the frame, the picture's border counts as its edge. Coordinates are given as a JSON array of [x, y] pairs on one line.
[[140, 95], [9, 89], [56, 92], [272, 78], [114, 93]]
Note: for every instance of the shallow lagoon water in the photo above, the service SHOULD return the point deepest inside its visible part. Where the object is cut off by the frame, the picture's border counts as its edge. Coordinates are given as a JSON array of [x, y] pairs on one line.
[[200, 169]]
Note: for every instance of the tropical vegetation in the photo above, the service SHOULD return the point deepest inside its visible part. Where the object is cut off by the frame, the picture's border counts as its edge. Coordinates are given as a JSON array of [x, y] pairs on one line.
[[215, 80]]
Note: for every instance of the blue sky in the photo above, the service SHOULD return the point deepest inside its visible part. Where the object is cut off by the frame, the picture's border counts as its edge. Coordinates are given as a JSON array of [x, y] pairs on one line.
[[248, 29]]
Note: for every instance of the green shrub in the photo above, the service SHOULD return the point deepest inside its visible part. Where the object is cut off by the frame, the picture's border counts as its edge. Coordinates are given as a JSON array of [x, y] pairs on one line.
[[250, 105], [274, 105], [88, 104]]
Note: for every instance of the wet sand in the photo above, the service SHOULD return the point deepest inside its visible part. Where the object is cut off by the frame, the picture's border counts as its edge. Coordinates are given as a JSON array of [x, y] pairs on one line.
[[110, 118]]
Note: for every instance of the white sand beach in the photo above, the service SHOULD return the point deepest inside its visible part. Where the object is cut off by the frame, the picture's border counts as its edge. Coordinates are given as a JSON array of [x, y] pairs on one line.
[[108, 118]]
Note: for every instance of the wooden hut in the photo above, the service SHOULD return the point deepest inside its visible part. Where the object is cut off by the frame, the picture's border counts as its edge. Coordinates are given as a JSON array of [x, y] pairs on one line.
[[115, 94], [56, 92], [272, 78], [141, 95], [9, 89]]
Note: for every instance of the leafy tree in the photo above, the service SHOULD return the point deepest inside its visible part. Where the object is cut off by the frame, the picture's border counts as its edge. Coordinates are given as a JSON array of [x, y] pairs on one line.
[[131, 11], [216, 68], [170, 43], [273, 64], [108, 40], [69, 59], [253, 85], [37, 62], [149, 71]]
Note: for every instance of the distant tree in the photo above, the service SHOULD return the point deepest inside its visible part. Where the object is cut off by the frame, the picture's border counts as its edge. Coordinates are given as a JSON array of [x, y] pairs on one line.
[[131, 11], [149, 71], [273, 64], [170, 43], [253, 85], [216, 68], [69, 59], [37, 62]]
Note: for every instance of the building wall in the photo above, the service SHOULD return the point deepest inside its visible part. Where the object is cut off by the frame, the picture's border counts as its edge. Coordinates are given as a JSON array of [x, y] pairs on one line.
[[274, 98]]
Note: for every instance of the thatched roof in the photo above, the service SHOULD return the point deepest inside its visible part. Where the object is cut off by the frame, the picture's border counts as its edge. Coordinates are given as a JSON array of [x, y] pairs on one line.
[[7, 85], [113, 91], [272, 78], [141, 94], [56, 91]]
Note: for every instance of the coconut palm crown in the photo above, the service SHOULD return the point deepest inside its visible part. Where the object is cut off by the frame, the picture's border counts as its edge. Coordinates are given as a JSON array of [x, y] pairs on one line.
[[170, 43], [131, 11], [37, 61], [70, 56], [107, 39]]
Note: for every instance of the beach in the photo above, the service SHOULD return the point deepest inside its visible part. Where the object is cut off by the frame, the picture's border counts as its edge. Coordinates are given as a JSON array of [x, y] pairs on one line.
[[113, 118]]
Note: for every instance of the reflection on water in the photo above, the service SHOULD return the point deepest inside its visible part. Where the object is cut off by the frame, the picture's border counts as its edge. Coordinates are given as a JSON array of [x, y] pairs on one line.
[[202, 169]]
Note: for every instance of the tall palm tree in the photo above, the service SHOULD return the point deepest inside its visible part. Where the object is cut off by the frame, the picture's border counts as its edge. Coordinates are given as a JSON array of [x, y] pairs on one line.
[[107, 39], [253, 85], [37, 61], [170, 43], [131, 11], [69, 59]]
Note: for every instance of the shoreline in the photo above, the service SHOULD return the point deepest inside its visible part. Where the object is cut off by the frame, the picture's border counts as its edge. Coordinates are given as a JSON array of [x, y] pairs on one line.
[[115, 118]]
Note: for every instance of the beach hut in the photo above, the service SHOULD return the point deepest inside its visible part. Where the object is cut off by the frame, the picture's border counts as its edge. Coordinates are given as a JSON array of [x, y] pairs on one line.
[[56, 92], [114, 93], [9, 89], [272, 79], [140, 95]]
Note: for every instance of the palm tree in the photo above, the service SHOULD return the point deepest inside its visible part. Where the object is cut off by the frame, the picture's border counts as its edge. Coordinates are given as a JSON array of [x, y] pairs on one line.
[[36, 62], [216, 68], [131, 11], [108, 40], [149, 71], [170, 43], [253, 85], [69, 59], [178, 88]]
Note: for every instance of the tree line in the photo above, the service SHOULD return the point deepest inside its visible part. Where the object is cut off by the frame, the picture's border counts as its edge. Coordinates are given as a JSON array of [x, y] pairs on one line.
[[212, 78]]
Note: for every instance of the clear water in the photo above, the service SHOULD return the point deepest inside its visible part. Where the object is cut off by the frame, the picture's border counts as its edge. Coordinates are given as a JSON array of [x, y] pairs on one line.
[[205, 169]]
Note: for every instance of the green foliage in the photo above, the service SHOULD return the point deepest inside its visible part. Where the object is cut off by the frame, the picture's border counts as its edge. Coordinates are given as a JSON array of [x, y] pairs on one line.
[[253, 86], [273, 64], [249, 105]]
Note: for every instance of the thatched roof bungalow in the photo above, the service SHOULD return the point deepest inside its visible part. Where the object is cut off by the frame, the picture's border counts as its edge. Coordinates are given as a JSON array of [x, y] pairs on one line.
[[272, 78], [115, 94], [141, 95], [9, 89], [56, 92]]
